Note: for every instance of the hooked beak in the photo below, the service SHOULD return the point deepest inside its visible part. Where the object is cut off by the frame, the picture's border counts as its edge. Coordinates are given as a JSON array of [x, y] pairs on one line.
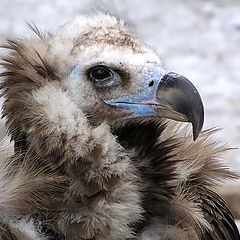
[[166, 95]]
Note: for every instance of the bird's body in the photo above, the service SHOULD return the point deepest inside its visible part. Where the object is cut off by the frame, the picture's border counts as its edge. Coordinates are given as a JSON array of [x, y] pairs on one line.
[[91, 162]]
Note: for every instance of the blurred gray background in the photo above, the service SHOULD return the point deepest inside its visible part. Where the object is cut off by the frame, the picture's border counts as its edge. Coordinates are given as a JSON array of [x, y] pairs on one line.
[[199, 39]]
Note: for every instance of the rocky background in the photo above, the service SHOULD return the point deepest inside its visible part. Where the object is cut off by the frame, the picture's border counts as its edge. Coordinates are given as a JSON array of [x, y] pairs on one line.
[[199, 39]]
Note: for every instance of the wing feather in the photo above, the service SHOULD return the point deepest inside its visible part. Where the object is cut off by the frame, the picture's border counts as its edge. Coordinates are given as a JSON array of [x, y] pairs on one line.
[[219, 216]]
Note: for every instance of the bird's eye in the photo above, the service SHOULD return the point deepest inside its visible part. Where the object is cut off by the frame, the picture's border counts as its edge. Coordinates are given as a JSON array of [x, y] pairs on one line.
[[101, 75]]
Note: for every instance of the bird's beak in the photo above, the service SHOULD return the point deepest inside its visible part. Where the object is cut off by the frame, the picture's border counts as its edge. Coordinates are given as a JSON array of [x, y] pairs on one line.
[[167, 95]]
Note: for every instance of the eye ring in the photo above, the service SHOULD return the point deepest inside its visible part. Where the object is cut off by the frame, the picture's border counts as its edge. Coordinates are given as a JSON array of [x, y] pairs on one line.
[[101, 74]]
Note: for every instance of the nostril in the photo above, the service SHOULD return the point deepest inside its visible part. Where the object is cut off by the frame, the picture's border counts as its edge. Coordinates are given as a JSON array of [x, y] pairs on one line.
[[151, 84]]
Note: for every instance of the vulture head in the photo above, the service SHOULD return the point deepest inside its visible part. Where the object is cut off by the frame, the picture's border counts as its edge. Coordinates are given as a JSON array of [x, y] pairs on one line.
[[114, 76], [94, 157]]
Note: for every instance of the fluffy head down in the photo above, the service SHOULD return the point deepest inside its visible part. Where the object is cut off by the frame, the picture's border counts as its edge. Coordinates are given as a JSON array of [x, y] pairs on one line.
[[66, 57]]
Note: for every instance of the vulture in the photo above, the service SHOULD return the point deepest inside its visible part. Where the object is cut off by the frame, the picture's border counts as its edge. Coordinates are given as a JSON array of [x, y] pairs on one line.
[[95, 151]]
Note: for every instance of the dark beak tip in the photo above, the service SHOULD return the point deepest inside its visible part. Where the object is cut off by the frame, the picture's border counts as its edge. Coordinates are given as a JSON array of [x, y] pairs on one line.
[[178, 91], [195, 134], [197, 124]]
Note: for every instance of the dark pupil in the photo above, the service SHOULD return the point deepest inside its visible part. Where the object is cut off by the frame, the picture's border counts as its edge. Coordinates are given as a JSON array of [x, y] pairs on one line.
[[100, 74]]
